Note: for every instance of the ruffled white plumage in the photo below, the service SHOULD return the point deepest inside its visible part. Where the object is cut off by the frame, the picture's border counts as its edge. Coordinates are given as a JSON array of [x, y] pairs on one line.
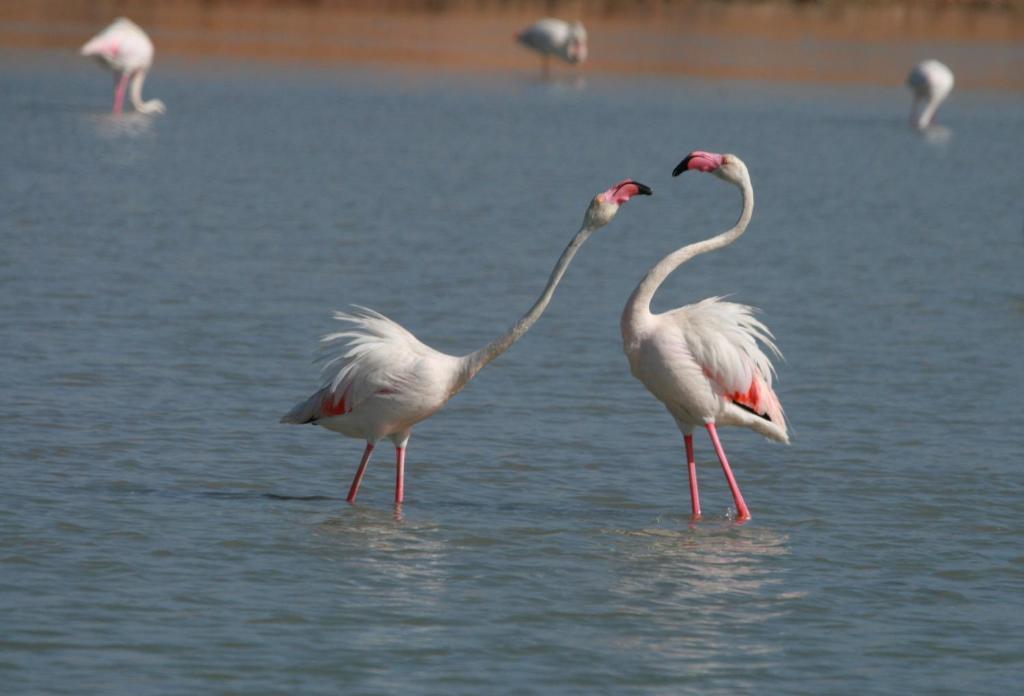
[[374, 354], [723, 337]]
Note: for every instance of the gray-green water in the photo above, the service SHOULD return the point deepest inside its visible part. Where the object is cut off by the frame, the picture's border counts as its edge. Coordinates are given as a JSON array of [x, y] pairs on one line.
[[163, 283]]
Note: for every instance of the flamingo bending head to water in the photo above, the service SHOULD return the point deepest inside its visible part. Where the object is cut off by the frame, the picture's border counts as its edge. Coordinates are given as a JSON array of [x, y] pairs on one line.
[[703, 361], [127, 51], [555, 37], [931, 82], [380, 380]]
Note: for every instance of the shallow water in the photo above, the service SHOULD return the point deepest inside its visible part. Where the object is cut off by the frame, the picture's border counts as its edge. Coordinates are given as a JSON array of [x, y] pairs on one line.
[[164, 282]]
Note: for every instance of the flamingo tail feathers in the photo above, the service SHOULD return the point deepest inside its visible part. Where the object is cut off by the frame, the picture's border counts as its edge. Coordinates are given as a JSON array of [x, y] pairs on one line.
[[307, 411], [760, 400], [323, 404]]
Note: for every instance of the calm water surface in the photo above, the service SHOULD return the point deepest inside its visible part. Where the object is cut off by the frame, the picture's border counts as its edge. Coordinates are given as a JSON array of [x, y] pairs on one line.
[[163, 283]]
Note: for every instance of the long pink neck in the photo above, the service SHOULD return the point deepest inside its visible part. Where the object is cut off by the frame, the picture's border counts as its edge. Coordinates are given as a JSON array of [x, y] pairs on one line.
[[474, 362], [638, 307]]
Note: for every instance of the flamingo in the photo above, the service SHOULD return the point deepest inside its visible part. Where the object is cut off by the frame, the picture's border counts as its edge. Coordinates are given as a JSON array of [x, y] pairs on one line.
[[126, 50], [932, 82], [702, 361], [555, 37], [379, 380]]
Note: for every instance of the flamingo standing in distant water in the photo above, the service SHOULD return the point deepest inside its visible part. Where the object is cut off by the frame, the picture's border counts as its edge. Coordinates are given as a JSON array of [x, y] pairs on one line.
[[703, 360], [555, 37], [931, 82], [126, 50], [380, 380]]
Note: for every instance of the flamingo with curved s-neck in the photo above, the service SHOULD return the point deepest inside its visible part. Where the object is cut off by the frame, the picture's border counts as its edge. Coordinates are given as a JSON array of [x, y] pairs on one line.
[[126, 50], [380, 380], [702, 361], [931, 82], [555, 37]]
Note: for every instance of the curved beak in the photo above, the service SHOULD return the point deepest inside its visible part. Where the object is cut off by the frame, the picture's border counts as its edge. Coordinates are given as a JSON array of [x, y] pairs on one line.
[[682, 166], [623, 191]]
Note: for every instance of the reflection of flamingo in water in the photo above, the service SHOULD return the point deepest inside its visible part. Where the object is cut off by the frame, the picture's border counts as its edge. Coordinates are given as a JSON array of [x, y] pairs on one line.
[[930, 81], [380, 380], [702, 360], [126, 50], [555, 37]]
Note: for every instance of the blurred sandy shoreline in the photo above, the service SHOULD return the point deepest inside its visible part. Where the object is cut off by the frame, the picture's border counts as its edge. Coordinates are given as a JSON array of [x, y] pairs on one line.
[[868, 42]]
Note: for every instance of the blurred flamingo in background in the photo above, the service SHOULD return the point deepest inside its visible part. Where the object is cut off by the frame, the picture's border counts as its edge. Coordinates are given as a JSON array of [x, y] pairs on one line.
[[380, 380], [703, 360], [931, 82], [126, 50], [555, 37]]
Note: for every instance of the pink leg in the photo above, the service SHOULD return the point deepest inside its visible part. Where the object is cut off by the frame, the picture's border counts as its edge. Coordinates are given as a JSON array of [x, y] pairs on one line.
[[359, 473], [742, 513], [119, 91], [400, 475], [691, 463]]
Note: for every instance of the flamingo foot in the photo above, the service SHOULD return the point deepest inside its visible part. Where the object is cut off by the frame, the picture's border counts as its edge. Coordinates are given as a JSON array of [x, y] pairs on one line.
[[359, 473], [742, 511]]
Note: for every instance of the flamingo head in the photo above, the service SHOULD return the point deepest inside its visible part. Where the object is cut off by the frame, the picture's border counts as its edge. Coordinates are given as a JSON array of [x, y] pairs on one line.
[[726, 167], [153, 106], [606, 204], [577, 45]]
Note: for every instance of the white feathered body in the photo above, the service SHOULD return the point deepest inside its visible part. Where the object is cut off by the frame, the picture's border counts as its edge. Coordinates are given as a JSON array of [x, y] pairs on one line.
[[930, 79], [703, 362], [379, 380], [558, 38], [122, 47]]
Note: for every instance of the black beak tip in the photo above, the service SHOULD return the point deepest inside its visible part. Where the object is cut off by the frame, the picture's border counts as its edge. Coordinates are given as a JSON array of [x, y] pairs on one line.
[[643, 189], [681, 167]]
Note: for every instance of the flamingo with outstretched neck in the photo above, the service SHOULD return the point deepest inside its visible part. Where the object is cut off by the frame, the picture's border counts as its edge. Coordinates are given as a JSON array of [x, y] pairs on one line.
[[931, 82], [380, 380], [127, 51], [555, 37], [703, 361]]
